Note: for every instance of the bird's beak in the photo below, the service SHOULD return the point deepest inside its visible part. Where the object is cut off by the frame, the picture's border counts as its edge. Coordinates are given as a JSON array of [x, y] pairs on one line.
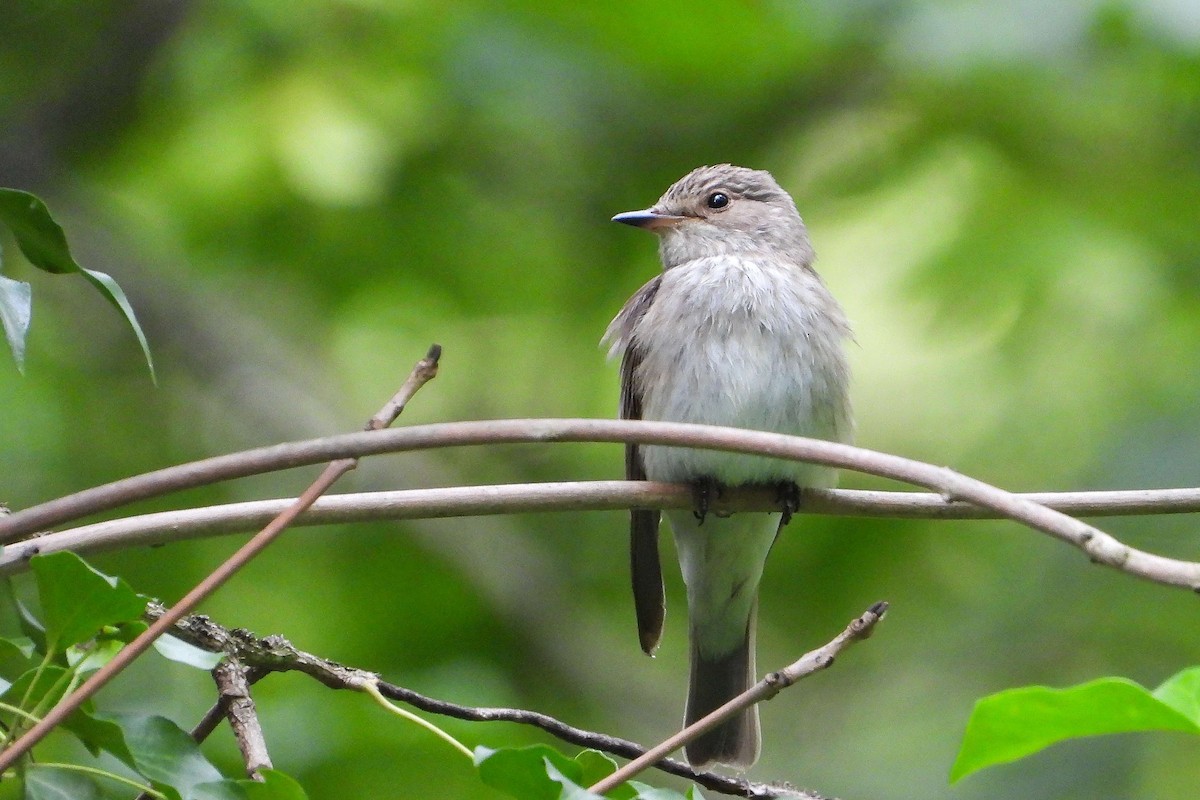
[[649, 219]]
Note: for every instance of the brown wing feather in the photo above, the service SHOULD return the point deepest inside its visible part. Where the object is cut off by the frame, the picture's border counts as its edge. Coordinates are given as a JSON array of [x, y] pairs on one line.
[[649, 600]]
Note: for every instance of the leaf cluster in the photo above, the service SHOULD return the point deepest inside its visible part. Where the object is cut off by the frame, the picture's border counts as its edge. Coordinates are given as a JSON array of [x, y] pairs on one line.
[[85, 617]]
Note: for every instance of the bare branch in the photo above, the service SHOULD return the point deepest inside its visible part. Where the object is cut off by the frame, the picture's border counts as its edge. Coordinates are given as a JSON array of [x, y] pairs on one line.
[[460, 501], [775, 682], [460, 434], [277, 654], [1041, 511]]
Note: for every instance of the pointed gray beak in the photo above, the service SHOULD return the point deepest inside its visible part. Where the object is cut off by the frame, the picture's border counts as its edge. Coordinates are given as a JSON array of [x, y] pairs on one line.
[[649, 219]]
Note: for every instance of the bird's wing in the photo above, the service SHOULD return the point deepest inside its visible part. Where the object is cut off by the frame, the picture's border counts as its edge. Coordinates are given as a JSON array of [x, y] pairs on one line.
[[649, 600]]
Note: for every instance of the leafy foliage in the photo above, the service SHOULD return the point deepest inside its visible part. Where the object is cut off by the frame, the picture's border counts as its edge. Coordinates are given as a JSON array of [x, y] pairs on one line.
[[542, 773], [86, 617], [43, 242]]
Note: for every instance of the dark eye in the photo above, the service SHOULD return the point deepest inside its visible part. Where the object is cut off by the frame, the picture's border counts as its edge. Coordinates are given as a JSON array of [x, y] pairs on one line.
[[717, 200]]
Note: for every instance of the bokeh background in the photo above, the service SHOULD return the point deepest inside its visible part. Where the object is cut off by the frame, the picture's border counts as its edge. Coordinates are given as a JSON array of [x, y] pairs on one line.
[[300, 197]]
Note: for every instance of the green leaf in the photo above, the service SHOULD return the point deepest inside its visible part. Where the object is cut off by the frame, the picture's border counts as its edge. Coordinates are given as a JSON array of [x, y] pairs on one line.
[[48, 783], [521, 772], [113, 293], [274, 786], [52, 681], [31, 626], [218, 790], [40, 238], [168, 792], [597, 766], [594, 766], [16, 309], [16, 647], [1018, 722], [570, 789], [1182, 693], [42, 688], [43, 242], [92, 655], [177, 649], [99, 734], [78, 601], [164, 753]]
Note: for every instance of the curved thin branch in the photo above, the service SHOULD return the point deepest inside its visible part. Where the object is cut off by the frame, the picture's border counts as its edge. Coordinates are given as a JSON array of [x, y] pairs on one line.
[[458, 501], [1100, 547]]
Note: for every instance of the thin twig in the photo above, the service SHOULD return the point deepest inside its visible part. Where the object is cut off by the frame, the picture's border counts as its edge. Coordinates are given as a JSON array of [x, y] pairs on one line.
[[277, 654], [460, 501], [426, 369], [768, 687]]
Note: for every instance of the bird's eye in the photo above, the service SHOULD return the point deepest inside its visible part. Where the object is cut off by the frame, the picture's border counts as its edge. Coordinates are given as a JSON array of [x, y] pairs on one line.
[[717, 200]]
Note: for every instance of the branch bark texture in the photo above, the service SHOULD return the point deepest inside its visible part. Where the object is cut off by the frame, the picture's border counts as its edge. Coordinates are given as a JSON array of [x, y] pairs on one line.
[[954, 487]]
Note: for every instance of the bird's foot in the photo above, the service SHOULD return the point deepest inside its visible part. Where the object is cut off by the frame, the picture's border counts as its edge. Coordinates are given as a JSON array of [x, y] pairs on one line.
[[790, 497], [704, 491]]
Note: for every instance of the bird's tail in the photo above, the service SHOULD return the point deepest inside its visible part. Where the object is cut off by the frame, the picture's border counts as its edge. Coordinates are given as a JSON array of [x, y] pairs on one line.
[[714, 682], [722, 561]]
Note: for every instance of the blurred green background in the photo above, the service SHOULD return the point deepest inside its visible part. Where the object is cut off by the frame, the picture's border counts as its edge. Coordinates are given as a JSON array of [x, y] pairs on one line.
[[300, 197]]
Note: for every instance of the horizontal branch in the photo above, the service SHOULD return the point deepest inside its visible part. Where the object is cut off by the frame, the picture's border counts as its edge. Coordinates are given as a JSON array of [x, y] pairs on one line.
[[1100, 547], [459, 501]]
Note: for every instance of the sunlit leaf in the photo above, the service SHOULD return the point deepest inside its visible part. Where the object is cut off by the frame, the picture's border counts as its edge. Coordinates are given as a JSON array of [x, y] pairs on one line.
[[1018, 722], [78, 601], [1182, 693], [44, 243]]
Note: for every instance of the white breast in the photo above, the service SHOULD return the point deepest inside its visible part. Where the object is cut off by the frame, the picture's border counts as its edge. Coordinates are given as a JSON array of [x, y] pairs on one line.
[[729, 341]]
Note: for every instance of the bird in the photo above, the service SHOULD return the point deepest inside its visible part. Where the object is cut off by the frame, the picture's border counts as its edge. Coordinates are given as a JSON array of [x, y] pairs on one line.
[[737, 330]]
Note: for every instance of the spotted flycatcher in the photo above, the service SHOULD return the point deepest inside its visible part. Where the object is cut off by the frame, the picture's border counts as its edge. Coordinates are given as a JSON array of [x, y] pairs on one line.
[[737, 330]]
